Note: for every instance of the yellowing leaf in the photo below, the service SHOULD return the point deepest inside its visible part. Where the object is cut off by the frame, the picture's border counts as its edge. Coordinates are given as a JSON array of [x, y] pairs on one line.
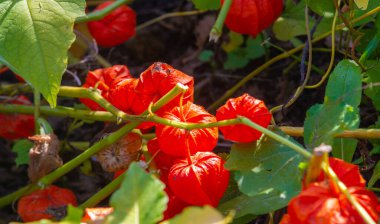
[[362, 4]]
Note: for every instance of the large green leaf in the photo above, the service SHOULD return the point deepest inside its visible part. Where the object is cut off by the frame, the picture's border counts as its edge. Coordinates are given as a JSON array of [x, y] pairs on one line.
[[344, 87], [241, 157], [274, 167], [323, 122], [140, 199], [274, 172], [373, 76], [345, 84], [344, 148], [203, 215], [258, 205], [34, 39]]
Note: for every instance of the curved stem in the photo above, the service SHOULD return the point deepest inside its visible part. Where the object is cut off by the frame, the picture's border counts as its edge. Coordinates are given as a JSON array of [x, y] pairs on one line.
[[96, 15], [279, 57], [216, 30], [103, 193], [165, 16], [333, 29], [305, 77], [275, 136]]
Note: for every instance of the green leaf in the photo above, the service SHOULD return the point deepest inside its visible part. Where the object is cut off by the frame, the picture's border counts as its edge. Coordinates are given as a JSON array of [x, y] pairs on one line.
[[344, 148], [324, 8], [234, 42], [375, 176], [199, 215], [74, 214], [140, 199], [323, 122], [206, 55], [241, 157], [274, 172], [244, 219], [206, 4], [345, 84], [373, 92], [239, 57], [22, 147], [34, 39], [260, 204], [344, 87], [254, 47], [236, 59], [286, 28], [292, 21]]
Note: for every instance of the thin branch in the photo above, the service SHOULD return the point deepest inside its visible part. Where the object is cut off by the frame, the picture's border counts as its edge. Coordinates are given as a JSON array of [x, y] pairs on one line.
[[100, 14]]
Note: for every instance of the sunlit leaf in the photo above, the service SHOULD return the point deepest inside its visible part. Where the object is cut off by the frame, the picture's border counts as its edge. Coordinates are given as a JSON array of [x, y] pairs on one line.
[[34, 39], [140, 199]]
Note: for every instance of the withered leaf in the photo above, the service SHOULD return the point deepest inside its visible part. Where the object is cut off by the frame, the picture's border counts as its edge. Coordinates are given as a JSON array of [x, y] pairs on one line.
[[43, 156]]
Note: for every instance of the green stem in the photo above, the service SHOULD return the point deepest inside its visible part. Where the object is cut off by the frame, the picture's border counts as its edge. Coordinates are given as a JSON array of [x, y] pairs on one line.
[[96, 15], [276, 137], [60, 111], [165, 16], [190, 126], [216, 30], [92, 94], [279, 57], [37, 104], [51, 177], [374, 189], [108, 117], [103, 193]]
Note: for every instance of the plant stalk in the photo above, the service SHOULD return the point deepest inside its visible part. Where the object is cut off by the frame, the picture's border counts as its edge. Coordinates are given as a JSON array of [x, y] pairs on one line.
[[97, 15], [217, 29]]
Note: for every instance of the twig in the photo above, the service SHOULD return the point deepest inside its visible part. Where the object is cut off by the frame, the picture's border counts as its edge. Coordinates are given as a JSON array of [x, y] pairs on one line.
[[96, 15], [216, 30], [165, 16]]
